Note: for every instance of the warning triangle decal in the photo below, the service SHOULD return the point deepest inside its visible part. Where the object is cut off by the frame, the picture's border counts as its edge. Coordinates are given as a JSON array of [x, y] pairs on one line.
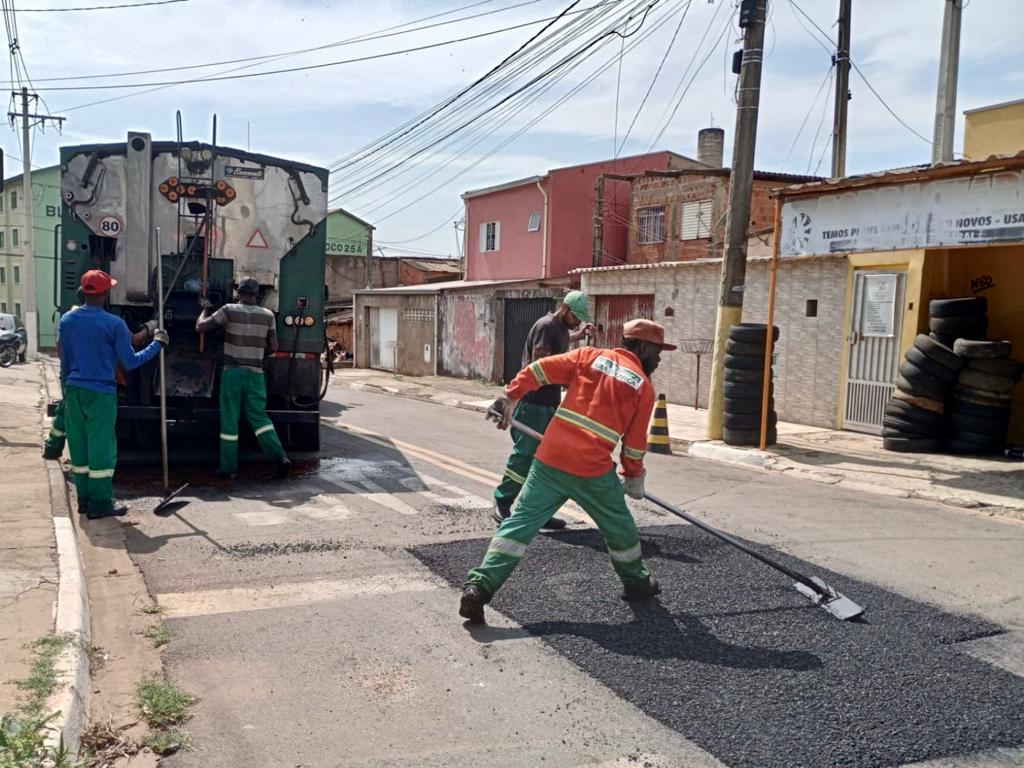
[[257, 240]]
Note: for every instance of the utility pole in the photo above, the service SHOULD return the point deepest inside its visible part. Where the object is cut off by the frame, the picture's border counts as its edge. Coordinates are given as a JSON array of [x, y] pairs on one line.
[[734, 263], [945, 101], [29, 238], [842, 61]]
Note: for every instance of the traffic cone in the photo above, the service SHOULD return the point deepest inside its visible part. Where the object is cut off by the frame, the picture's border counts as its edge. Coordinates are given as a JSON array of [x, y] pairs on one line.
[[657, 436]]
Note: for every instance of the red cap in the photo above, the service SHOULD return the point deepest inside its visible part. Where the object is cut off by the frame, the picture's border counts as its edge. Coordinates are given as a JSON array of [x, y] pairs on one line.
[[647, 330], [97, 281]]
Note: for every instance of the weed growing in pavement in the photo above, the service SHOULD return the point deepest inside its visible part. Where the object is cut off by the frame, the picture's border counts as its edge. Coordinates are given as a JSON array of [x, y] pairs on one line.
[[152, 609], [23, 733], [159, 634], [161, 703], [168, 742]]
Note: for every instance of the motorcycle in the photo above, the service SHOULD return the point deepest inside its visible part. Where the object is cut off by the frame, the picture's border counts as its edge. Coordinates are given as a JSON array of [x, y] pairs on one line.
[[10, 342]]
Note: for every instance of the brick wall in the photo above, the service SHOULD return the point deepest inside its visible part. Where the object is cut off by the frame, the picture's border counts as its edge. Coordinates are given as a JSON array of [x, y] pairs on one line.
[[809, 351]]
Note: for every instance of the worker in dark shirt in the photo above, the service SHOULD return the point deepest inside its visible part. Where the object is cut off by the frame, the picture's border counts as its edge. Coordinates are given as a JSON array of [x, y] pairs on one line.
[[92, 343], [551, 335]]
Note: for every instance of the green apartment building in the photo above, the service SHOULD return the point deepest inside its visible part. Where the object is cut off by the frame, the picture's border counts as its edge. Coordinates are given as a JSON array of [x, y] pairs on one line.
[[46, 194]]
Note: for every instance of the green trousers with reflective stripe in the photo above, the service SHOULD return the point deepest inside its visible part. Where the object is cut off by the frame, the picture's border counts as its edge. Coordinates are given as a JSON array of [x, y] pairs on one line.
[[518, 466], [545, 491], [90, 418], [245, 390], [53, 446]]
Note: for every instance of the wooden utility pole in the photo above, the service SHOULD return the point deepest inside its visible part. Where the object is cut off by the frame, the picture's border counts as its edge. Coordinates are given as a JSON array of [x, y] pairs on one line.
[[31, 318], [842, 91], [734, 263], [945, 100]]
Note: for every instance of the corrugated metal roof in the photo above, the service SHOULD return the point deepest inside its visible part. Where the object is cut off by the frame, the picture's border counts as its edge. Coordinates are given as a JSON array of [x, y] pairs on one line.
[[452, 266], [793, 178], [702, 262], [446, 286], [909, 174]]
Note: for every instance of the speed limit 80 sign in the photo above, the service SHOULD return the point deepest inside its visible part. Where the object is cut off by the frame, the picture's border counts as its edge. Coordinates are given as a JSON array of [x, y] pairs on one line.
[[110, 226]]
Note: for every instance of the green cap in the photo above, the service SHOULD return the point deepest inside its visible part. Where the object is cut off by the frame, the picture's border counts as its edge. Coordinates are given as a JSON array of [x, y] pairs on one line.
[[578, 305]]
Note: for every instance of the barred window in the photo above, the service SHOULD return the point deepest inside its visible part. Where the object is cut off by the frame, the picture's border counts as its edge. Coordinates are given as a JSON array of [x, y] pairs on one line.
[[651, 225], [490, 237]]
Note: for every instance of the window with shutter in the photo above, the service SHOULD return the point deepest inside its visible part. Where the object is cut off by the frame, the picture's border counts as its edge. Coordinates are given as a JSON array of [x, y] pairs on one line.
[[695, 220], [651, 225]]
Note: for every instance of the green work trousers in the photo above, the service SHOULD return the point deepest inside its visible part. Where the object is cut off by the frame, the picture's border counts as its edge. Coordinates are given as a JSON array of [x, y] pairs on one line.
[[518, 465], [90, 418], [53, 446], [241, 389], [546, 490]]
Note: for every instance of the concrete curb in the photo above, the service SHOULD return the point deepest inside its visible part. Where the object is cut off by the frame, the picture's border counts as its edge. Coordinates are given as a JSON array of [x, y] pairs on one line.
[[71, 701]]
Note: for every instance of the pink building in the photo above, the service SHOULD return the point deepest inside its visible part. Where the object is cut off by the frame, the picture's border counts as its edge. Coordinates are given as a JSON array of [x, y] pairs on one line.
[[543, 226]]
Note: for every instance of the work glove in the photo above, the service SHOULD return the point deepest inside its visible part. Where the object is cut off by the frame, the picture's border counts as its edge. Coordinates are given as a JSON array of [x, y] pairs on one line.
[[205, 304], [505, 406], [162, 337], [151, 326], [634, 486]]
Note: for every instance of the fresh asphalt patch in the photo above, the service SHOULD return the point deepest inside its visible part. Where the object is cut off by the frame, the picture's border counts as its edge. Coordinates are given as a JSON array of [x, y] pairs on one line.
[[738, 662]]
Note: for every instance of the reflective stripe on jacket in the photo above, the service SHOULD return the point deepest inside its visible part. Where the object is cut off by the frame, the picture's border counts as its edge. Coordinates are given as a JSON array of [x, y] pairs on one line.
[[609, 399]]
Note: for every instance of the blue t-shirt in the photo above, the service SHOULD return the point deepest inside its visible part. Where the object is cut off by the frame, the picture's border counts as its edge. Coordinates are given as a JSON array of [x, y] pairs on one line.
[[91, 341]]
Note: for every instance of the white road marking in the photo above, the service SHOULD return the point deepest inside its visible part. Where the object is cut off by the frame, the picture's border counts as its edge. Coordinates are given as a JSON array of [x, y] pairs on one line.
[[326, 507], [379, 496], [456, 496], [239, 599], [263, 517]]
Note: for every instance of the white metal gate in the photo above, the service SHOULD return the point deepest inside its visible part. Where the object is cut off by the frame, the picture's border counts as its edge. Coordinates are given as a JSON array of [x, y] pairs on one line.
[[874, 341], [383, 337]]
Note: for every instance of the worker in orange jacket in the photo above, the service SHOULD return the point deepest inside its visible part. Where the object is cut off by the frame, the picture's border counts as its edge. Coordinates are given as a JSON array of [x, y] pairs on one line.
[[609, 398]]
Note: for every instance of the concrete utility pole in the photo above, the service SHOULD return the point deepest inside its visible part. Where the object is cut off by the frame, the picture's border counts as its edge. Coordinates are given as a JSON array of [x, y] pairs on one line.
[[734, 264], [945, 101], [842, 91], [29, 238]]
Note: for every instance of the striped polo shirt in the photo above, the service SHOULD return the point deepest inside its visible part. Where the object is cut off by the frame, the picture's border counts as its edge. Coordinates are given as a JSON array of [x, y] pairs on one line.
[[246, 328]]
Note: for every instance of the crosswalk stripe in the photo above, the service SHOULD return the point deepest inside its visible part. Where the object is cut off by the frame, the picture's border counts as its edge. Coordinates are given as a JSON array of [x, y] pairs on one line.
[[378, 495]]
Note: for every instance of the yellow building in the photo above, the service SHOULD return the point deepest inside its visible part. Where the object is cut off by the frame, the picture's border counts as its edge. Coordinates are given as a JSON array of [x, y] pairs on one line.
[[995, 130]]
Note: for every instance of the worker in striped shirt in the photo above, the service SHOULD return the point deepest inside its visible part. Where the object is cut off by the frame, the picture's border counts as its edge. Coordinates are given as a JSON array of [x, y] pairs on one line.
[[249, 332]]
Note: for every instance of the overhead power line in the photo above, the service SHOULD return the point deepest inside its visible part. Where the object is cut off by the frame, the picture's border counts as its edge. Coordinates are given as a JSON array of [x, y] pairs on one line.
[[99, 7]]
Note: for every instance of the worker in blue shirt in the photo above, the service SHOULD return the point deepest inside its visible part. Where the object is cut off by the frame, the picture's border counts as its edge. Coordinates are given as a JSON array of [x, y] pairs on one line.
[[92, 343]]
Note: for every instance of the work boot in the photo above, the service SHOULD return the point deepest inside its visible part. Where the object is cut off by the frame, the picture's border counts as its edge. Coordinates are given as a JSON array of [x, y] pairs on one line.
[[640, 590], [500, 512], [554, 524], [284, 469], [474, 598], [52, 453], [118, 510]]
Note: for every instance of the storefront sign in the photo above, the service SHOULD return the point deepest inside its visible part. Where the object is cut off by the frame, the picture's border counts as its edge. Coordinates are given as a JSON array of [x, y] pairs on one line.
[[987, 208], [878, 316]]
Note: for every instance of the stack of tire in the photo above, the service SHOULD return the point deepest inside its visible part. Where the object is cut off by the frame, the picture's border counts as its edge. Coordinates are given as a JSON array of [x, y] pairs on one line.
[[744, 386], [952, 319], [914, 420], [979, 413]]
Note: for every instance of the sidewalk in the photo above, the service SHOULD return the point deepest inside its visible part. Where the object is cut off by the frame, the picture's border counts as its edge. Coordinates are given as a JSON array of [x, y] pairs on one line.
[[847, 460]]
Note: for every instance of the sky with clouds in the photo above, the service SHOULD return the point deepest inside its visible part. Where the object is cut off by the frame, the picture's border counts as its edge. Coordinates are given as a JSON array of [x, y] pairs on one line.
[[410, 189]]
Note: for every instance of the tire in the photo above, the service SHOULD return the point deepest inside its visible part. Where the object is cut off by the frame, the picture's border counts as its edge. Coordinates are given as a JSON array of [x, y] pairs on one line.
[[742, 376], [749, 437], [944, 339], [937, 407], [1011, 369], [902, 433], [922, 384], [963, 327], [972, 306], [930, 366], [986, 382], [7, 357], [912, 444], [897, 424], [742, 363], [744, 348], [939, 352], [966, 447], [744, 391], [982, 397], [753, 333], [748, 420], [741, 406], [979, 411], [918, 417], [985, 350], [960, 423]]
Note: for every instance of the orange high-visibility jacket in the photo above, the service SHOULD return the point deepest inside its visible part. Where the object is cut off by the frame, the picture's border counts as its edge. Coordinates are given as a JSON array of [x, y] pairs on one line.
[[609, 398]]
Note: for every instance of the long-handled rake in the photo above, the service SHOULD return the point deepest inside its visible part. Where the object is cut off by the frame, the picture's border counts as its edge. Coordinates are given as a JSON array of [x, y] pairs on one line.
[[811, 587]]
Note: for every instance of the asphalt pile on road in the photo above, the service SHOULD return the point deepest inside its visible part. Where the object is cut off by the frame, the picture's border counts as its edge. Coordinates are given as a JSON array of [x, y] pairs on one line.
[[734, 659]]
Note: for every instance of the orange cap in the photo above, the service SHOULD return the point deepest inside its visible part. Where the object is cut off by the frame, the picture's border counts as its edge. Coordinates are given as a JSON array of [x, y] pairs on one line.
[[647, 330], [97, 281]]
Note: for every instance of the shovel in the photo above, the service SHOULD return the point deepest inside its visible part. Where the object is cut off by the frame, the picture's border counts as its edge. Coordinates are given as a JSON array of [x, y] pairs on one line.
[[168, 493], [811, 587]]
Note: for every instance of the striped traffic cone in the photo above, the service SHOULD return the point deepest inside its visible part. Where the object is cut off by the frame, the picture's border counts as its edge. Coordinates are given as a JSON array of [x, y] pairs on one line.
[[657, 436]]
